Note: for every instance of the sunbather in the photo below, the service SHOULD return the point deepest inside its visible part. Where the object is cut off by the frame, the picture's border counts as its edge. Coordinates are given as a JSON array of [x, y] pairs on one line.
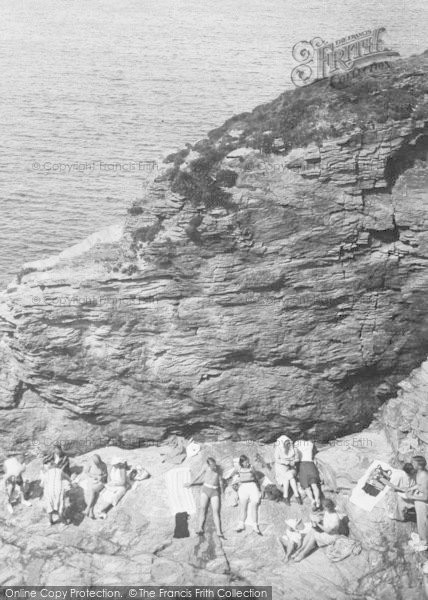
[[210, 494], [249, 495], [285, 471], [14, 469], [115, 487], [96, 478], [323, 533]]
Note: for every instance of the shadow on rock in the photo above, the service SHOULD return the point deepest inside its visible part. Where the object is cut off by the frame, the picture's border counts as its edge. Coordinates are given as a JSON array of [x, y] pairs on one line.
[[74, 513]]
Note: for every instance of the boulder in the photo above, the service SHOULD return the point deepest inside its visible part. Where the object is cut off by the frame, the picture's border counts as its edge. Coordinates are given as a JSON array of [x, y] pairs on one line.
[[290, 295]]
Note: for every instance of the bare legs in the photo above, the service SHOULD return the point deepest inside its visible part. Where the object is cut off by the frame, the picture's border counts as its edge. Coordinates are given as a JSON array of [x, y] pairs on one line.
[[294, 487], [313, 492], [203, 512], [249, 498], [10, 486], [289, 547], [306, 548], [90, 503], [91, 499], [286, 484], [215, 504]]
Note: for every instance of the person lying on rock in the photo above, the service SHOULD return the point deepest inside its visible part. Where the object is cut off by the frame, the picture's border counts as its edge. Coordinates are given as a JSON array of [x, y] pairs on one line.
[[285, 471], [96, 478], [55, 485], [324, 531], [210, 494], [14, 469], [308, 473], [115, 488], [249, 495]]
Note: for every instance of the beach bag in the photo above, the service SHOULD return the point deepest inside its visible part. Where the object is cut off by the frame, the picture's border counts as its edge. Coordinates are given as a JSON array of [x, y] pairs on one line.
[[271, 492], [193, 449], [342, 548], [181, 525], [139, 473]]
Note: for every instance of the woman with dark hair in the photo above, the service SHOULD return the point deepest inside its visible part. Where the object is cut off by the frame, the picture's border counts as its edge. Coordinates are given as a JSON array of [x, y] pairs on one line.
[[58, 458], [55, 485], [210, 494], [323, 533], [249, 495], [309, 476]]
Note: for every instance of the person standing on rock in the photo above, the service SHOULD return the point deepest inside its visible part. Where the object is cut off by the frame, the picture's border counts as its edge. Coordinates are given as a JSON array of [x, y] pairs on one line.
[[55, 484], [419, 495], [210, 494], [249, 495], [285, 472], [309, 476], [14, 469], [59, 458]]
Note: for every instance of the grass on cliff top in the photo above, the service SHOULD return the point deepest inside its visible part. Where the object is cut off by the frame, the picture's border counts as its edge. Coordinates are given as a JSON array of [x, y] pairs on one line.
[[310, 114]]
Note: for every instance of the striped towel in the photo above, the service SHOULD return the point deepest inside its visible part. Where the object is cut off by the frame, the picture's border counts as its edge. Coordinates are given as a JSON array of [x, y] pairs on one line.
[[180, 498], [53, 492]]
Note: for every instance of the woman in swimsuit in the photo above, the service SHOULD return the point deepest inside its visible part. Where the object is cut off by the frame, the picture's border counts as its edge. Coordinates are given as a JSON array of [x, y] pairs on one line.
[[249, 495], [210, 494]]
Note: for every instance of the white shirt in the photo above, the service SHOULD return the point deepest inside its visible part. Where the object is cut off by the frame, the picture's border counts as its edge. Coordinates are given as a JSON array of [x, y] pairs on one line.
[[331, 523], [13, 468], [305, 449]]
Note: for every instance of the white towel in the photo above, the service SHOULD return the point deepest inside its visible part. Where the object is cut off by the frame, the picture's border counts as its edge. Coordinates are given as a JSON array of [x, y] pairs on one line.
[[358, 495], [180, 498]]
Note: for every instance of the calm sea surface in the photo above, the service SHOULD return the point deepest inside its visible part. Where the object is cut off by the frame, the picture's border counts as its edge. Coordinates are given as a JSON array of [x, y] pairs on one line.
[[91, 89]]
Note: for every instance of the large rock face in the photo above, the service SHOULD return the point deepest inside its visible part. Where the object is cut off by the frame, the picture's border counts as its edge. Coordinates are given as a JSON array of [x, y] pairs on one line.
[[249, 292]]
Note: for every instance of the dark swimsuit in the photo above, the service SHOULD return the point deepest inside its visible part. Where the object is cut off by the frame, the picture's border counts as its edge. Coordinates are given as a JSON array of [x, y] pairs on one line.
[[210, 491]]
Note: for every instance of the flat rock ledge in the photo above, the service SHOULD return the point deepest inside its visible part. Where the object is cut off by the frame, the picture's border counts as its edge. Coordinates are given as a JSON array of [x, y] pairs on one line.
[[134, 545]]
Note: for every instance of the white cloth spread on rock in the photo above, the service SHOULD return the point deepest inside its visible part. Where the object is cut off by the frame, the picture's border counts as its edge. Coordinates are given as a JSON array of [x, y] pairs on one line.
[[180, 498], [372, 483]]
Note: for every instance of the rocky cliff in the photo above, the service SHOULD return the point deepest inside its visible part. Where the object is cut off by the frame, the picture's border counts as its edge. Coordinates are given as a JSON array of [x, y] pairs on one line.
[[273, 277]]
